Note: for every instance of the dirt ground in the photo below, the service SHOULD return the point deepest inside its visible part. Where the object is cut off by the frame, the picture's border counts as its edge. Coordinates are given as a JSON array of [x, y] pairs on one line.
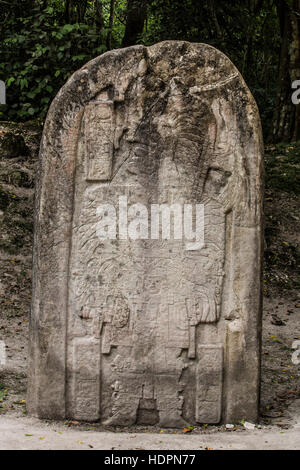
[[29, 433], [279, 425]]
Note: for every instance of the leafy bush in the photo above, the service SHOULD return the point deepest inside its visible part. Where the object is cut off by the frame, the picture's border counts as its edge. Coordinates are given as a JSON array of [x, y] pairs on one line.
[[42, 42], [45, 54]]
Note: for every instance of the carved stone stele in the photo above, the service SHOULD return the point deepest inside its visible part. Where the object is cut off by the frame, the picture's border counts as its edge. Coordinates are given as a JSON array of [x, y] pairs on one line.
[[147, 330]]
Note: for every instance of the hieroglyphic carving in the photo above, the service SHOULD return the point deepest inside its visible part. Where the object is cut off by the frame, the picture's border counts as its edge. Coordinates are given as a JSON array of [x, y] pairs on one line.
[[116, 317], [86, 377], [99, 140], [209, 380]]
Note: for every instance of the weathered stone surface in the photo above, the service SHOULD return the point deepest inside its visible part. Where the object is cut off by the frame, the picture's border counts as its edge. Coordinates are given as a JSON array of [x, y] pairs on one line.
[[148, 330]]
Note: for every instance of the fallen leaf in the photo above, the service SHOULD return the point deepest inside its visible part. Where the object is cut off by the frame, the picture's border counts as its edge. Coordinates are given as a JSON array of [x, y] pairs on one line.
[[188, 429]]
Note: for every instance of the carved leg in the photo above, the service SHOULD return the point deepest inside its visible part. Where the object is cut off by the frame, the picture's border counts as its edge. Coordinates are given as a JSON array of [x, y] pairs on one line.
[[169, 402], [124, 404]]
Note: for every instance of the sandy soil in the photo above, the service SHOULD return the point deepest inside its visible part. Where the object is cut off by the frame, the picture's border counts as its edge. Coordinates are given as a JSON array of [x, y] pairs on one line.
[[28, 433]]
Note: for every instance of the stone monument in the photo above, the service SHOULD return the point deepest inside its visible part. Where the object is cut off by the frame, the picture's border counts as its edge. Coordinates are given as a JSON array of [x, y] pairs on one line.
[[148, 243]]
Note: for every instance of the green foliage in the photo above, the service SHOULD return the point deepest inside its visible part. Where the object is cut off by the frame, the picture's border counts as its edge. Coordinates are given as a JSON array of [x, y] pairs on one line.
[[43, 42], [38, 55]]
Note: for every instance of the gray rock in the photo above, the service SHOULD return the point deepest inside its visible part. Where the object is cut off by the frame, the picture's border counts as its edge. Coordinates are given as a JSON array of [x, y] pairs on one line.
[[230, 426], [130, 325], [249, 426]]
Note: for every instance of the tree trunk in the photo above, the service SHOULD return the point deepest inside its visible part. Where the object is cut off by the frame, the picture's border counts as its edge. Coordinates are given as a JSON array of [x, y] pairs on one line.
[[214, 18], [286, 126], [110, 24], [81, 6], [99, 20], [67, 11], [135, 19]]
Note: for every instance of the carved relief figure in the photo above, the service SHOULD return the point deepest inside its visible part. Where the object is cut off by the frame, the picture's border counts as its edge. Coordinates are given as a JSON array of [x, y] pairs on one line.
[[136, 329]]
